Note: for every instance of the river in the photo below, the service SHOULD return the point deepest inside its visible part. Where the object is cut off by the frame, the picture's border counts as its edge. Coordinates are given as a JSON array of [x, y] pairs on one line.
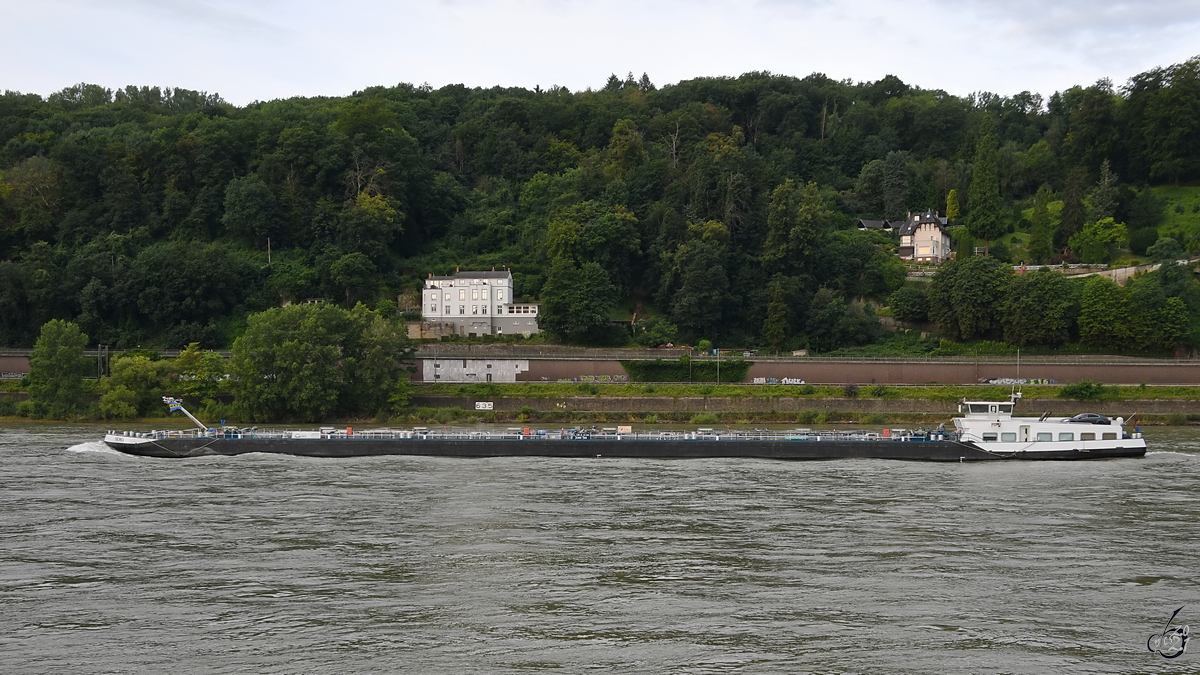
[[274, 564]]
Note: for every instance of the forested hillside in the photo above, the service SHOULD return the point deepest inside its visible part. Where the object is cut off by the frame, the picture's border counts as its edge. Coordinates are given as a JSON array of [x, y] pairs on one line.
[[719, 208]]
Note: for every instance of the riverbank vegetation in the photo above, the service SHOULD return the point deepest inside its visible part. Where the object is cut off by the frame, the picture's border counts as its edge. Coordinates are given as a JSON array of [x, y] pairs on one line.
[[718, 208], [319, 362]]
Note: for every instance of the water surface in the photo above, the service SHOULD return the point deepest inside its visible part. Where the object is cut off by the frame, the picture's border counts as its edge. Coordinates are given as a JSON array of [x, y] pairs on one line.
[[272, 564]]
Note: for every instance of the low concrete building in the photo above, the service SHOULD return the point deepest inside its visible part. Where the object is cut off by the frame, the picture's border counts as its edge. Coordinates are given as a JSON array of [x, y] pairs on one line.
[[473, 370]]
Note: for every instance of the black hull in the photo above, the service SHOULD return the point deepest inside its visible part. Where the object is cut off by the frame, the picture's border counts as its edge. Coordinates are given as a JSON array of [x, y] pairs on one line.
[[928, 451]]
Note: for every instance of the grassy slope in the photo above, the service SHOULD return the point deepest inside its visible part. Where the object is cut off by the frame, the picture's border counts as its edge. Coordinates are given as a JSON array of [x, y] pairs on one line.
[[1185, 196]]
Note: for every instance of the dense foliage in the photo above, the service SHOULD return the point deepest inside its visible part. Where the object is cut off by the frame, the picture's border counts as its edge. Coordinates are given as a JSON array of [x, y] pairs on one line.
[[716, 207]]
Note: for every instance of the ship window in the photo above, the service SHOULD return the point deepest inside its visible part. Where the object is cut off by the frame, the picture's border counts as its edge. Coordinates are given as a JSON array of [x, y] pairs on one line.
[[1110, 437], [1066, 436], [1087, 437], [978, 407], [1006, 407], [989, 437], [1009, 437], [1045, 436]]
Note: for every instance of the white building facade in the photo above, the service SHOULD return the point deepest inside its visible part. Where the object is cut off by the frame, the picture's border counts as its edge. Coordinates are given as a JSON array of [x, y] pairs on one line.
[[923, 237], [478, 303], [473, 370]]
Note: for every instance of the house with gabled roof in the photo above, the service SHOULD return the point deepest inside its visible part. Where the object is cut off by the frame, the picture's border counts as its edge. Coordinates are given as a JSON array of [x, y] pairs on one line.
[[923, 238]]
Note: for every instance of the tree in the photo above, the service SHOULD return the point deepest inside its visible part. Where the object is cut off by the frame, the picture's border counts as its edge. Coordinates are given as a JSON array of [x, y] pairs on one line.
[[591, 232], [1039, 308], [368, 225], [1041, 239], [1166, 249], [57, 367], [952, 207], [964, 296], [309, 362], [910, 303], [200, 373], [135, 386], [797, 219], [576, 300], [1102, 316], [1104, 195], [250, 210], [1095, 243], [985, 215], [1074, 214], [895, 185], [868, 191], [353, 270], [625, 149], [778, 325]]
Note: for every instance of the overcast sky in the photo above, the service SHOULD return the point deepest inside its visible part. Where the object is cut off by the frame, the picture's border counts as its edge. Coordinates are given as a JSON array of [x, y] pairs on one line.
[[250, 50]]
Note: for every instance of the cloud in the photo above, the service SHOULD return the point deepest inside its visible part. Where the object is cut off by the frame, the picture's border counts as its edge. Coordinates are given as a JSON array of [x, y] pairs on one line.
[[263, 49]]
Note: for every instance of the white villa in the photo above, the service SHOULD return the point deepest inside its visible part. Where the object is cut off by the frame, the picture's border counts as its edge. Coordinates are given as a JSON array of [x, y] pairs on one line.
[[478, 303], [923, 238]]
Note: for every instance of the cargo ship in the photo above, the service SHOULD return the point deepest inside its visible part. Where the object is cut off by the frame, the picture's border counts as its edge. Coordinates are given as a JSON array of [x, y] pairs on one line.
[[987, 431]]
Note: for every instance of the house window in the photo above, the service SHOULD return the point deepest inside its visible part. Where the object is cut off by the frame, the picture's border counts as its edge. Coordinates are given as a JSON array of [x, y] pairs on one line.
[[485, 295], [433, 309], [447, 310], [474, 293], [474, 309], [499, 294], [1066, 436], [462, 309], [483, 308], [499, 309], [1009, 437], [1045, 436], [462, 294]]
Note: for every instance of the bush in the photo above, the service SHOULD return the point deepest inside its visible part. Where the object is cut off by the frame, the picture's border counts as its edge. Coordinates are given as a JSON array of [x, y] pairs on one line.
[[119, 403], [811, 417], [704, 418], [8, 405], [1085, 390], [650, 418], [872, 418], [877, 391], [909, 303], [850, 391], [31, 409], [1141, 240]]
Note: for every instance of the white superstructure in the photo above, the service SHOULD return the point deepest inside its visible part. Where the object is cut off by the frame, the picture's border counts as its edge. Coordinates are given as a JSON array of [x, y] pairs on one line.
[[991, 426]]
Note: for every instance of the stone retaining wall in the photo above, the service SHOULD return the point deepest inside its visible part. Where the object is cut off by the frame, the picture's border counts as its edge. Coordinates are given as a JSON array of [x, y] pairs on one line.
[[647, 404]]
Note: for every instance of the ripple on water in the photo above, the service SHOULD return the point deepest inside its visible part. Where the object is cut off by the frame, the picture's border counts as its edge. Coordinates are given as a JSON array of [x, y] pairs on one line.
[[434, 565]]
